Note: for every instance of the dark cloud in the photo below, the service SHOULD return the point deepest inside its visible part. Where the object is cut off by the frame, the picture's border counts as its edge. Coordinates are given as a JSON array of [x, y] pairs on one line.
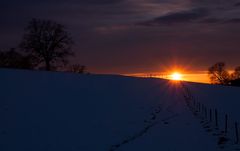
[[211, 20], [234, 20], [237, 4], [99, 2], [178, 17], [92, 2], [220, 21]]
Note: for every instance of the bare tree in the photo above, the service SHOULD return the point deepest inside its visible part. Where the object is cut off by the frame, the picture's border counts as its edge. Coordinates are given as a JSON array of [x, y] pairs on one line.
[[47, 41], [76, 68], [218, 74]]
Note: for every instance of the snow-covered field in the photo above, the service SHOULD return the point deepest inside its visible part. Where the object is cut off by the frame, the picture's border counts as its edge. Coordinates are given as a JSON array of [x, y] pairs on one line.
[[44, 111]]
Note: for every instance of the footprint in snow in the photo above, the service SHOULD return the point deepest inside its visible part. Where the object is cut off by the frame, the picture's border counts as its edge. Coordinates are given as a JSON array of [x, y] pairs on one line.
[[222, 140], [153, 117], [166, 123]]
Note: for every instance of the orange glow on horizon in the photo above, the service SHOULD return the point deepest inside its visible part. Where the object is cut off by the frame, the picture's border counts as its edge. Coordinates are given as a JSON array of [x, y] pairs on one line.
[[200, 77], [176, 76]]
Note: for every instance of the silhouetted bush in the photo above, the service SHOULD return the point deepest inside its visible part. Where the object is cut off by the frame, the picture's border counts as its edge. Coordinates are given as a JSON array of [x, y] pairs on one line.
[[218, 74], [235, 77], [76, 68], [235, 82], [14, 59]]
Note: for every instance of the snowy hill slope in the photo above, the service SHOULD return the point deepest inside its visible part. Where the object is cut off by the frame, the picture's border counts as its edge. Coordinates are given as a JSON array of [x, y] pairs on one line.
[[59, 112]]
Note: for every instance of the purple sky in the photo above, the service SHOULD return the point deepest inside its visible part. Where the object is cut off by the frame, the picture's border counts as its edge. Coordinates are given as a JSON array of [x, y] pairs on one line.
[[133, 36]]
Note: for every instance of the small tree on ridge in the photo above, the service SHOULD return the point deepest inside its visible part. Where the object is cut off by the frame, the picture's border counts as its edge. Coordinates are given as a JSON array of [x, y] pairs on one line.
[[218, 74]]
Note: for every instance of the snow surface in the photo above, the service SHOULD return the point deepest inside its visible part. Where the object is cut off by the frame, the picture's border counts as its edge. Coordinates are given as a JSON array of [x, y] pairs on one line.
[[49, 111]]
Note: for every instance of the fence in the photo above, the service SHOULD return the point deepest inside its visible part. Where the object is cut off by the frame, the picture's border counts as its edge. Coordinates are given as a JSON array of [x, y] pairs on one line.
[[213, 120]]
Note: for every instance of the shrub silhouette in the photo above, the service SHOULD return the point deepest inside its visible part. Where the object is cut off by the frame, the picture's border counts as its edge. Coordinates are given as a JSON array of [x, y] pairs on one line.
[[14, 59], [218, 74]]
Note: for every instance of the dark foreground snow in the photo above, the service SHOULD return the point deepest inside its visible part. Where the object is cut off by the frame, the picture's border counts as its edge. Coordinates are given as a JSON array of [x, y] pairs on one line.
[[44, 111]]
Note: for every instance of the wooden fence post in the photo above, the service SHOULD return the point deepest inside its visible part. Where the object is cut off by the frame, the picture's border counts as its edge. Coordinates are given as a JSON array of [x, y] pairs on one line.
[[226, 123], [197, 106], [200, 107], [236, 131], [216, 118], [210, 115], [206, 112]]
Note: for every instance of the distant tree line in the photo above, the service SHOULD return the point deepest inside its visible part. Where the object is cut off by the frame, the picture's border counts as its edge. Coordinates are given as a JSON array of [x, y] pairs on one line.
[[46, 45], [219, 75]]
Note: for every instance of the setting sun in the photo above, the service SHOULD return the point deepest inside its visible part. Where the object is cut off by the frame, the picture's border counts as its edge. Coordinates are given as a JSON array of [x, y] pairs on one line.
[[176, 76]]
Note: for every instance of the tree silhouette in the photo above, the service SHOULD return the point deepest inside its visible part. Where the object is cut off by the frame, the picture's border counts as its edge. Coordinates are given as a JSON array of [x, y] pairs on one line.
[[76, 68], [14, 59], [235, 77], [236, 74], [47, 41], [218, 74]]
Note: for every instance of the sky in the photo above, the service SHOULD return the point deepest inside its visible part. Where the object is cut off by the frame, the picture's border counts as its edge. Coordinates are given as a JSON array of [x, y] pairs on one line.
[[135, 36]]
